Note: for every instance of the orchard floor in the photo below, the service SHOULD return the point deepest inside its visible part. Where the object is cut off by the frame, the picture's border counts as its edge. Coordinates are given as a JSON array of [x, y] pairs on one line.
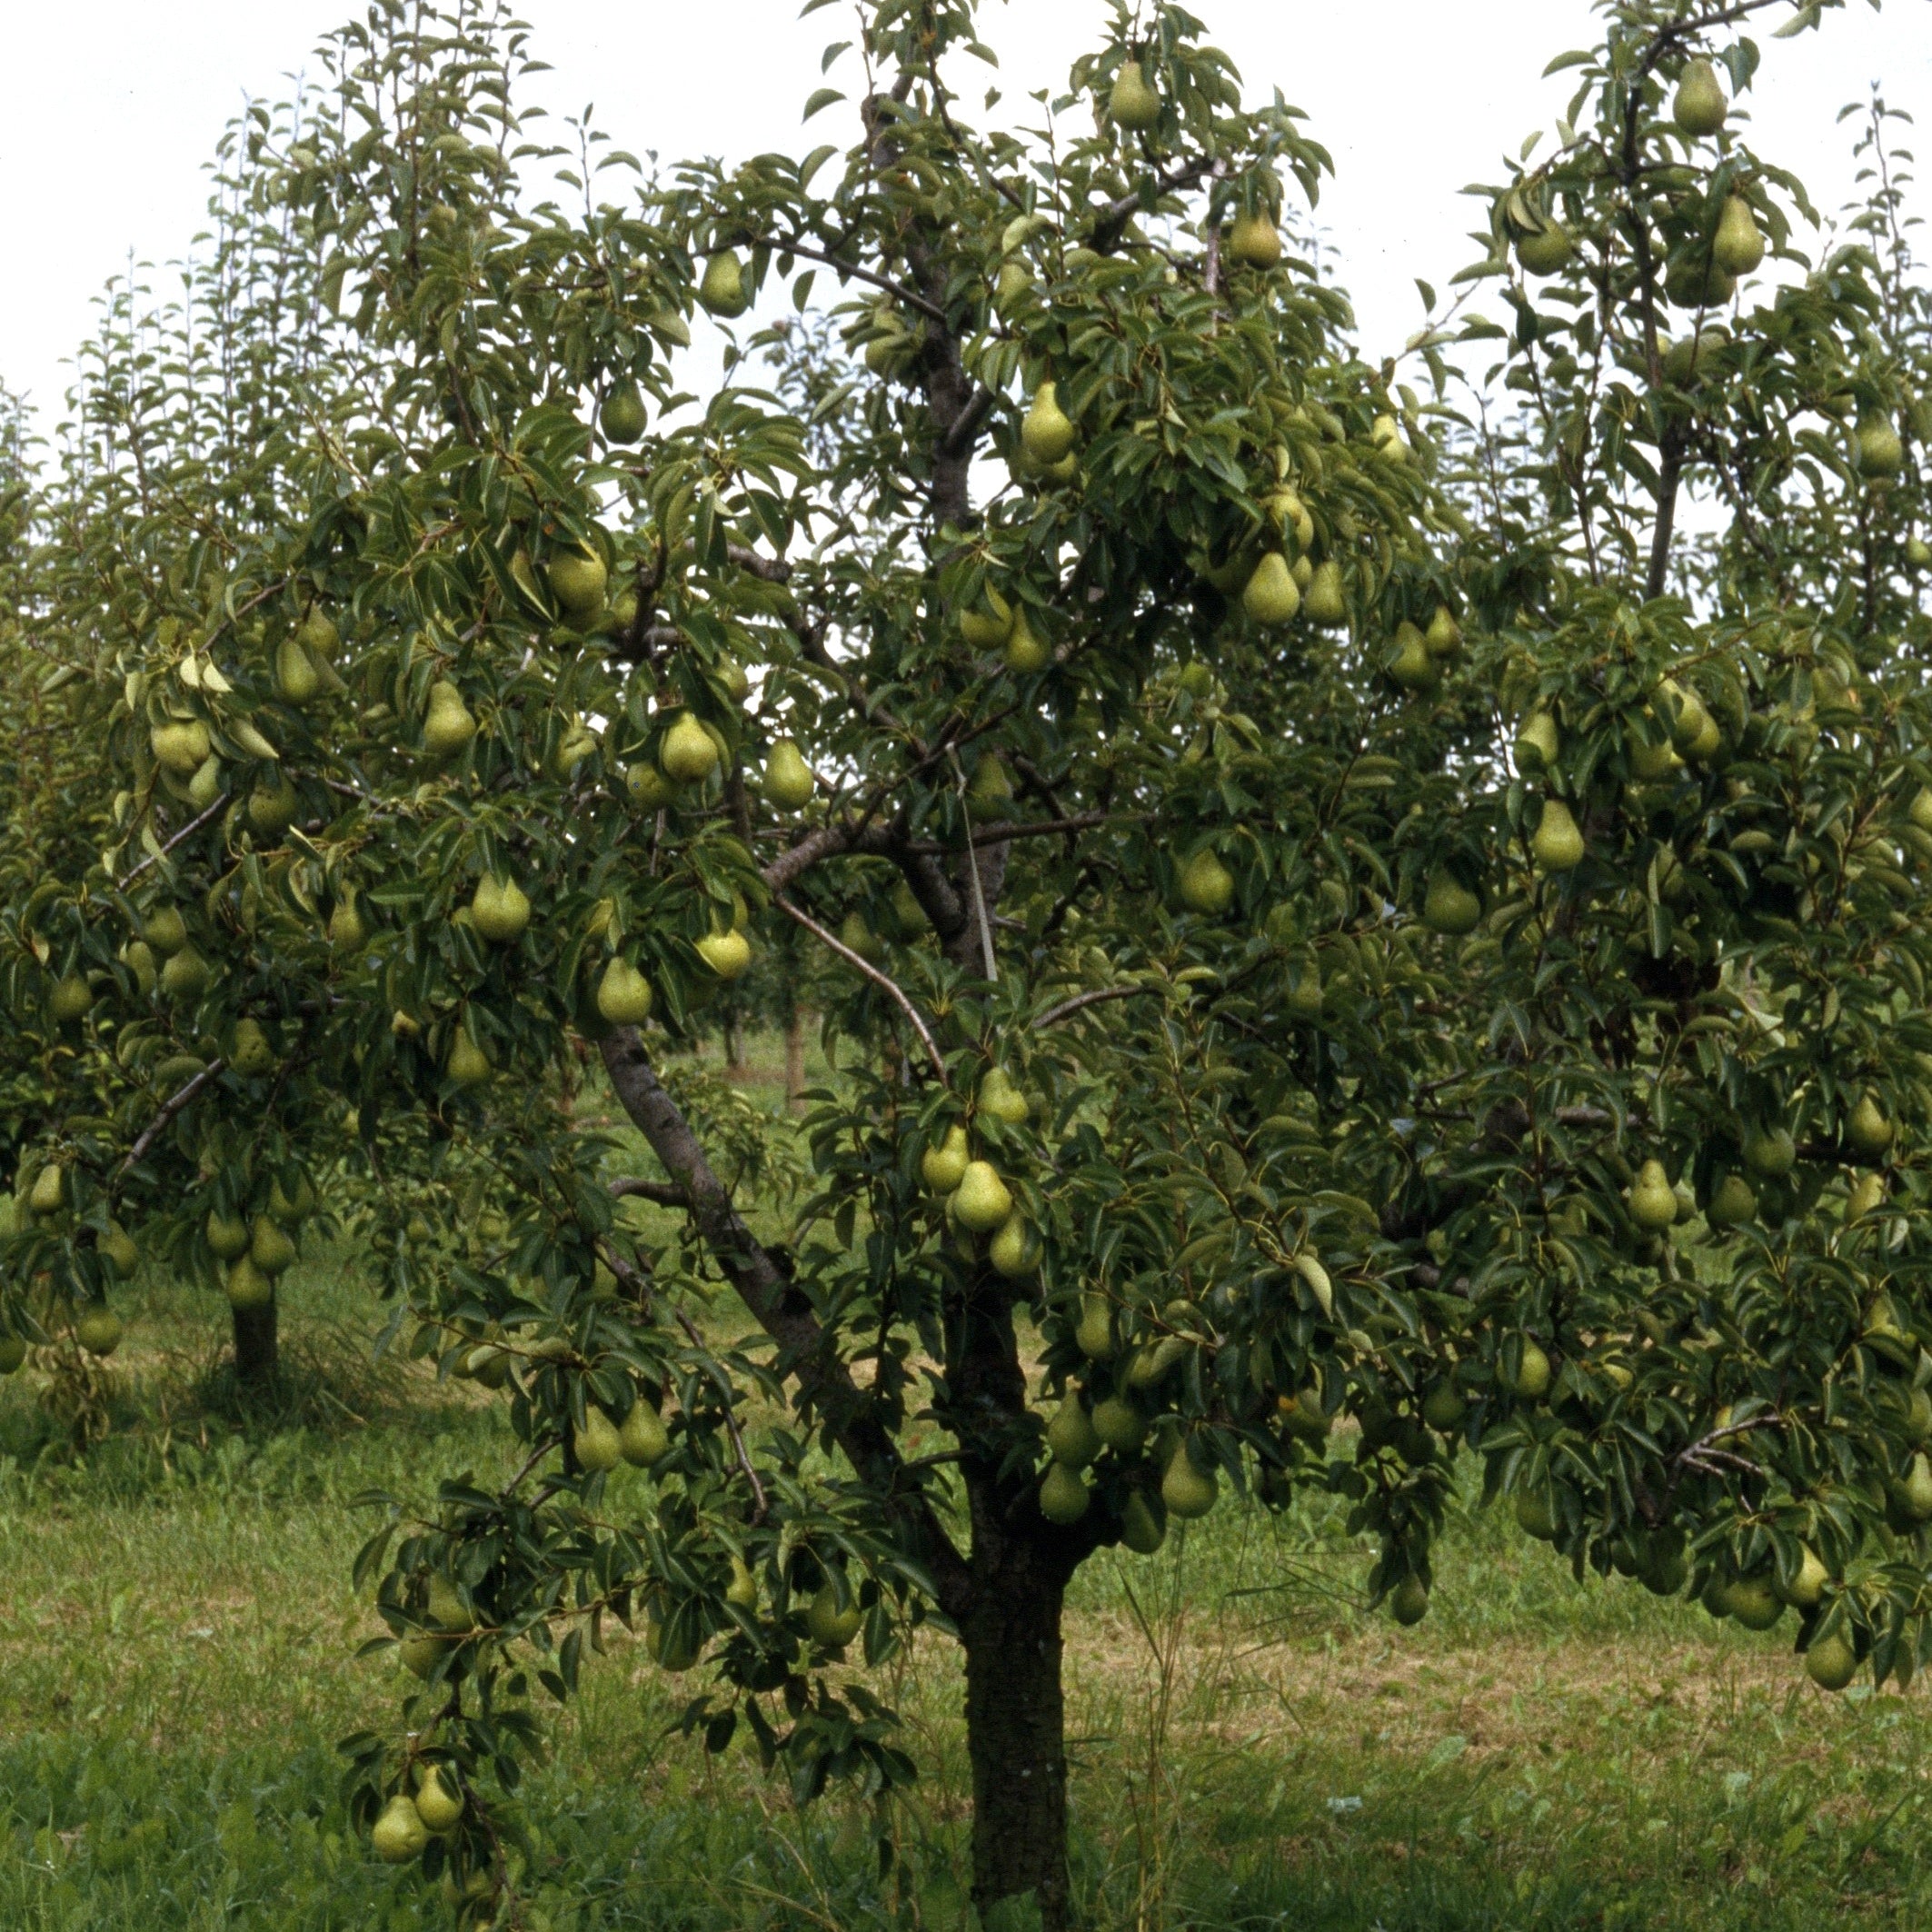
[[176, 1662]]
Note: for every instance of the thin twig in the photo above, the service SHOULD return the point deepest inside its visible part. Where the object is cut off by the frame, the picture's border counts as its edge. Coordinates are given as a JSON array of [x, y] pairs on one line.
[[1068, 1007], [169, 1109], [730, 1423], [186, 832], [899, 293], [878, 979]]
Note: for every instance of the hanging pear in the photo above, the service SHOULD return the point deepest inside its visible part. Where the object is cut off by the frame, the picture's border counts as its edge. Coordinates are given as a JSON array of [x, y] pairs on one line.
[[1546, 251], [247, 1286], [623, 994], [227, 1235], [1118, 1424], [1653, 1201], [347, 932], [439, 1802], [165, 930], [1700, 105], [400, 1833], [1531, 1381], [1011, 1250], [1071, 1434], [297, 681], [830, 1625], [1409, 1604], [180, 745], [1806, 1590], [1143, 1523], [1831, 1663], [1450, 907], [1444, 635], [448, 727], [468, 1065], [1207, 886], [1025, 653], [728, 954], [269, 1246], [99, 1331], [1770, 1153], [1557, 845], [1413, 665], [1739, 247], [788, 785], [185, 977], [1133, 103], [1047, 432], [1187, 1491], [499, 910], [689, 753], [1254, 241], [1866, 1129], [943, 1167], [999, 1098], [596, 1442], [578, 580], [1271, 596], [1866, 1197], [981, 1202], [722, 290], [1094, 1334], [988, 629], [622, 418], [1063, 1497], [1536, 744], [643, 1440], [1880, 449], [1733, 1202], [1327, 601], [71, 1000]]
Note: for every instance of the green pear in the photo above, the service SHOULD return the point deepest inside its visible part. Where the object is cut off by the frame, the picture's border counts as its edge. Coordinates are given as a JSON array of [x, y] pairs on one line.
[[1700, 105], [1535, 1516], [468, 1065], [1538, 744], [1047, 434], [722, 291], [118, 1249], [1144, 1522], [1653, 1201], [856, 935], [1063, 1497], [1025, 652], [943, 1167], [439, 1802], [1444, 634], [1918, 554], [269, 1246], [742, 1589], [1866, 1129], [98, 1331], [1557, 845], [578, 745], [649, 789], [623, 994], [1770, 1153], [988, 630], [830, 1626], [1755, 1603], [1408, 1605], [1866, 1197], [596, 1442], [249, 1052], [421, 1653], [1739, 247], [71, 1000], [1914, 1493], [1444, 1406], [990, 787], [1072, 1436], [578, 579], [297, 681], [227, 1235], [1271, 596], [1831, 1663], [272, 807], [1187, 1491], [1133, 103], [13, 1353], [1548, 252], [180, 745], [49, 1192], [1693, 282], [347, 932], [1880, 451], [622, 418], [643, 1440], [788, 785], [689, 753], [728, 954], [447, 727], [1450, 907], [138, 957], [1011, 1250], [999, 1098], [1326, 603], [400, 1833], [1413, 665], [1093, 1335], [1118, 1424], [1207, 886], [247, 1285], [318, 634], [981, 1201], [1253, 242], [1733, 1202], [165, 930], [908, 917], [499, 911], [1690, 357], [1531, 1381], [1806, 1590]]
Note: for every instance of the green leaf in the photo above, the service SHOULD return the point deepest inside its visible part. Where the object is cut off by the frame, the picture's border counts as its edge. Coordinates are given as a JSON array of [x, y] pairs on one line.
[[822, 98]]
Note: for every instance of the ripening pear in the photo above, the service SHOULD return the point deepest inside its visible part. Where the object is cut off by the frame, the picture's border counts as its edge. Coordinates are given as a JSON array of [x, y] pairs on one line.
[[1063, 1497], [118, 1251], [689, 753], [577, 580], [1694, 282], [1207, 886], [1806, 1588], [988, 630], [499, 911], [1444, 635], [49, 1191], [248, 1286], [1867, 1130], [643, 1440], [347, 932], [297, 681], [830, 1624], [1866, 1197], [1011, 1250], [1733, 1202], [99, 1332], [1536, 744], [269, 1246], [1133, 103], [1047, 434], [468, 1065], [1531, 1381], [742, 1589], [1879, 449], [597, 1443], [1094, 1334], [1914, 1493], [1444, 1406], [448, 726], [789, 785], [186, 976], [1918, 554], [1739, 247], [623, 994], [227, 1235], [1754, 1603], [13, 1353], [1118, 1425], [138, 957], [648, 789], [1557, 845], [71, 1000], [1271, 596], [943, 1167], [1831, 1663], [272, 807], [722, 291], [1025, 651], [180, 746], [1143, 1523], [1326, 602], [439, 1802], [1414, 665], [1546, 251], [856, 935], [400, 1833], [1451, 907], [1653, 1201], [908, 917], [981, 1201], [989, 786], [1700, 105], [728, 954], [250, 1052], [999, 1098], [1770, 1152], [1253, 242], [1187, 1491], [1071, 1435], [622, 418], [165, 930], [1408, 1605]]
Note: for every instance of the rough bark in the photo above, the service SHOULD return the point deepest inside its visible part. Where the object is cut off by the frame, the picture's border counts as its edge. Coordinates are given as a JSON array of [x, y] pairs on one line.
[[256, 1356]]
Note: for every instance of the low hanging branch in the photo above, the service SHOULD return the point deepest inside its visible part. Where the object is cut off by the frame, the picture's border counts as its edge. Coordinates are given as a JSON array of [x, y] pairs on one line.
[[878, 979], [172, 1106]]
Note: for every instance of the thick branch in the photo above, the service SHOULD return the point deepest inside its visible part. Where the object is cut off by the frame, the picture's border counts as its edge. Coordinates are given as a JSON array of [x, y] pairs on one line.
[[666, 1193]]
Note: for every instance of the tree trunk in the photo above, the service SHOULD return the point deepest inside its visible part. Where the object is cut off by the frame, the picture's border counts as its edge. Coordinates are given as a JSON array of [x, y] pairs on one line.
[[1016, 1736], [734, 1047], [795, 1060], [255, 1345]]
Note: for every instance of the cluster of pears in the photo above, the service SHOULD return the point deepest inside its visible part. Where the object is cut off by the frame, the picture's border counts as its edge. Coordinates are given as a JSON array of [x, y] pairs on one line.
[[1004, 627], [977, 1201], [1419, 654], [640, 1439], [257, 1248], [690, 753], [408, 1823], [1047, 437]]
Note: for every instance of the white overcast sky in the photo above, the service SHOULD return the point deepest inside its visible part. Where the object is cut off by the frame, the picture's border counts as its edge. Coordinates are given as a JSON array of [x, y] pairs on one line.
[[109, 108]]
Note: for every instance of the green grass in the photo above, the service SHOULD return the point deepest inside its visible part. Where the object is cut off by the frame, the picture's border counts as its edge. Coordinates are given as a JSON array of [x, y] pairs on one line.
[[176, 1660]]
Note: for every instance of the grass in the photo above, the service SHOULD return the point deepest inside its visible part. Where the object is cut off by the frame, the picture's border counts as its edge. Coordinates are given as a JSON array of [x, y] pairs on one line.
[[177, 1661]]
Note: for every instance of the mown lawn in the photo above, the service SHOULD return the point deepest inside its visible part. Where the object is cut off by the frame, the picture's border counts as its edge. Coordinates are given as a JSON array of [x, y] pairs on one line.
[[179, 1637]]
